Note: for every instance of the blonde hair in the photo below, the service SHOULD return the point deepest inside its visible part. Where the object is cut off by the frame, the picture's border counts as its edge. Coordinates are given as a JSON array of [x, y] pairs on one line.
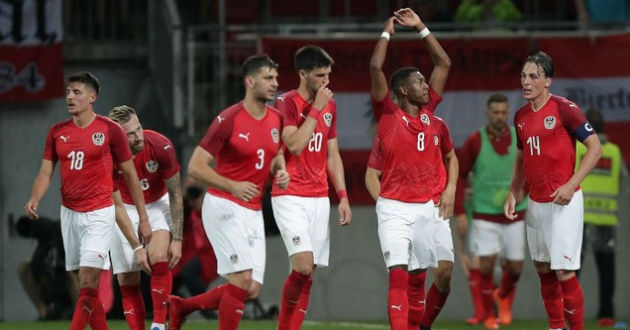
[[121, 114]]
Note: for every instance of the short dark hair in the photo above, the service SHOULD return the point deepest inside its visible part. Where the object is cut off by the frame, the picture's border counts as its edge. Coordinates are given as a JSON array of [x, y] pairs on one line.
[[254, 63], [86, 78], [496, 98], [310, 57], [121, 114], [542, 60], [400, 76], [596, 119]]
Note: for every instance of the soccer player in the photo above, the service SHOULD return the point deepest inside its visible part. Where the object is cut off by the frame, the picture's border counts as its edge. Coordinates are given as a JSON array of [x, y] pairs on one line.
[[444, 200], [244, 141], [405, 208], [87, 145], [158, 171], [547, 128], [488, 154], [302, 210]]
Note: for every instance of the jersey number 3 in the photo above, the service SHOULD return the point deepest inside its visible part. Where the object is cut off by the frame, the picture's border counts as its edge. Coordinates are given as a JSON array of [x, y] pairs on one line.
[[261, 159]]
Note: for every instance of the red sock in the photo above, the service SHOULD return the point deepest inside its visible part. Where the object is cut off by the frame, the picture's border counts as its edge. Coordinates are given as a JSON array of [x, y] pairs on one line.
[[474, 282], [487, 287], [508, 283], [302, 306], [416, 296], [434, 303], [290, 296], [133, 306], [231, 307], [397, 301], [88, 309], [573, 303], [205, 301], [161, 284], [552, 299]]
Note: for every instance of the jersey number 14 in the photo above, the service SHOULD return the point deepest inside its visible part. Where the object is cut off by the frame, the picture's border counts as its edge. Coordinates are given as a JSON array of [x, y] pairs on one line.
[[534, 144]]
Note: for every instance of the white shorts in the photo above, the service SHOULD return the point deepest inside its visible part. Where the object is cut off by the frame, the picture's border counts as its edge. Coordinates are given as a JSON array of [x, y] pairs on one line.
[[404, 228], [491, 238], [87, 237], [237, 235], [554, 232], [443, 241], [123, 258], [304, 225]]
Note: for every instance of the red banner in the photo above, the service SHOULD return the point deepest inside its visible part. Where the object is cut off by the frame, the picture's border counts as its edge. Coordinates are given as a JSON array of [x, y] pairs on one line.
[[31, 60]]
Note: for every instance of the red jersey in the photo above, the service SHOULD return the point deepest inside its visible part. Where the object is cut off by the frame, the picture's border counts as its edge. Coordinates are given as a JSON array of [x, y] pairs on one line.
[[547, 140], [410, 158], [467, 158], [243, 148], [86, 161], [441, 137], [154, 164], [309, 177]]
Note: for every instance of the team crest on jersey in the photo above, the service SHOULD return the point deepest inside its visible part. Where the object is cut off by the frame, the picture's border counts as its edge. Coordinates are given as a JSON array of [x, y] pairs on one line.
[[152, 166], [436, 139], [234, 258], [425, 119], [386, 255], [275, 135], [98, 138], [328, 119], [296, 240], [550, 122]]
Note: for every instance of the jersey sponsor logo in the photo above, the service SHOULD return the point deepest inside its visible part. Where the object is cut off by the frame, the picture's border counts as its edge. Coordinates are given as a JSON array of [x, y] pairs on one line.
[[328, 119], [436, 139], [296, 240], [520, 126], [572, 105], [405, 120], [281, 98], [220, 119], [98, 138], [167, 146], [234, 258], [64, 138], [396, 307], [244, 136], [275, 135], [588, 127], [550, 122], [152, 166], [425, 119]]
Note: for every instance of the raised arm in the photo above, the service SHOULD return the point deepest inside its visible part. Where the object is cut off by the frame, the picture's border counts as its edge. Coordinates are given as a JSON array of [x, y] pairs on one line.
[[335, 173], [296, 138], [441, 61], [377, 76], [40, 186]]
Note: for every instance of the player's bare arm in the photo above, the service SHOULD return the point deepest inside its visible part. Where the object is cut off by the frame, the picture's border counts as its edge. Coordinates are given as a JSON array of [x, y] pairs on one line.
[[124, 223], [373, 182], [447, 200], [377, 76], [516, 188], [200, 170], [296, 138], [564, 193], [279, 170], [441, 61], [335, 173], [40, 186], [133, 183], [174, 188]]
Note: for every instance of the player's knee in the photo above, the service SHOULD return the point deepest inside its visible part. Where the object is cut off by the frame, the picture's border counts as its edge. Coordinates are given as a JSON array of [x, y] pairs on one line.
[[304, 269], [158, 256], [88, 277]]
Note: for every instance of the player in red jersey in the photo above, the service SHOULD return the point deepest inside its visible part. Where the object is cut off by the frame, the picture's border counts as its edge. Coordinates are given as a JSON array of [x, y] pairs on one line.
[[547, 128], [87, 146], [158, 171], [244, 141], [302, 210], [444, 200], [487, 155], [411, 164]]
